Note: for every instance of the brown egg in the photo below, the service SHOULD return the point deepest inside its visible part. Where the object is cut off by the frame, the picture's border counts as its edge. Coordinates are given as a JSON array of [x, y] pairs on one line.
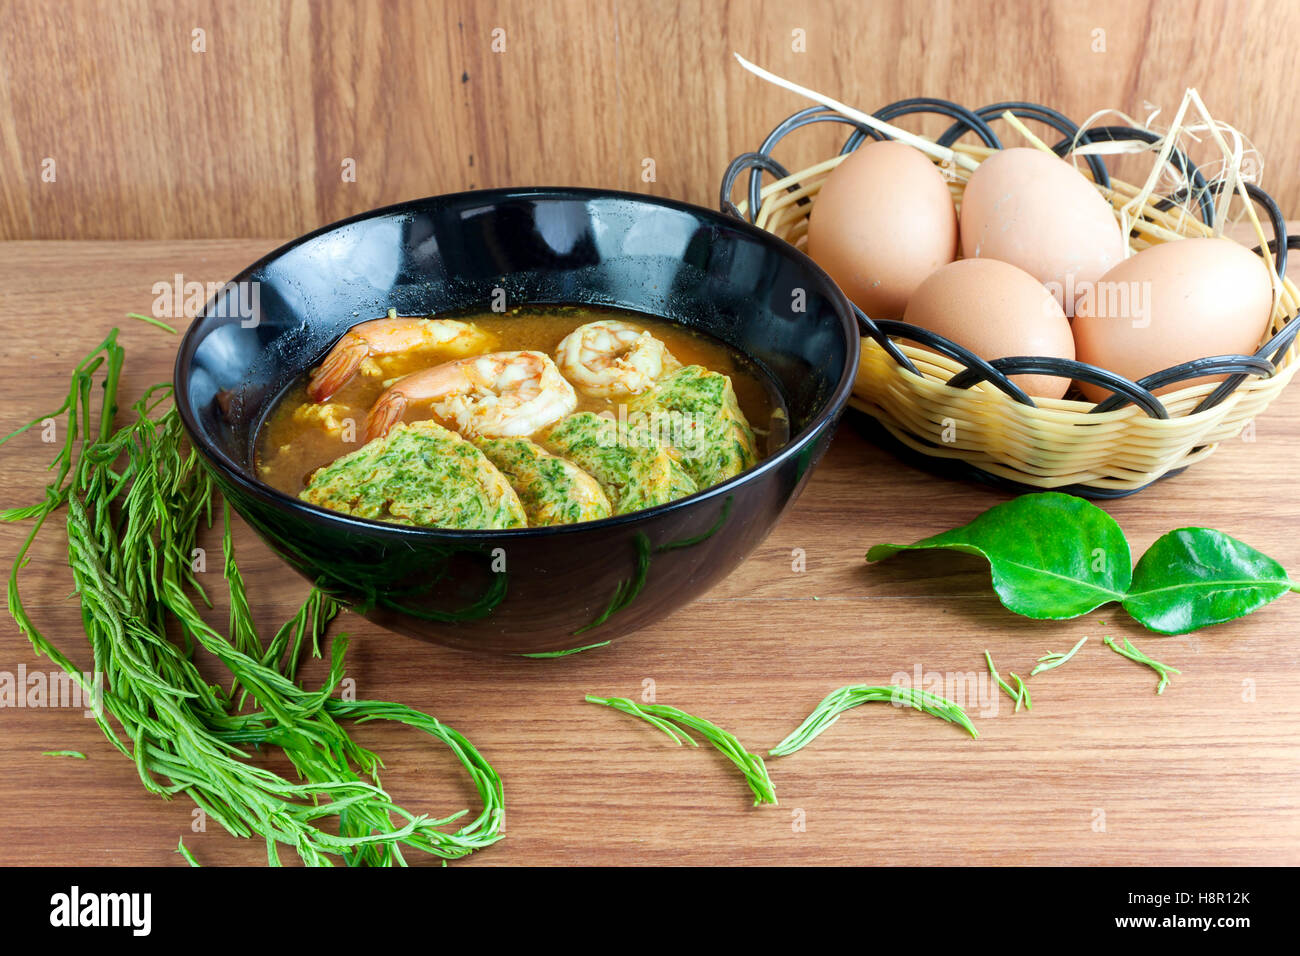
[[1038, 212], [1171, 303], [883, 221], [995, 310]]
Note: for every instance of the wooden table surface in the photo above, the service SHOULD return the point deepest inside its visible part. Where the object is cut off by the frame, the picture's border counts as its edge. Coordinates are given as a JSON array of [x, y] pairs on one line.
[[1101, 771]]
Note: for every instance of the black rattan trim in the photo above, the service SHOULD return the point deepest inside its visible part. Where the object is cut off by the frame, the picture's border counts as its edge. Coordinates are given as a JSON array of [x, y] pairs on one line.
[[997, 373]]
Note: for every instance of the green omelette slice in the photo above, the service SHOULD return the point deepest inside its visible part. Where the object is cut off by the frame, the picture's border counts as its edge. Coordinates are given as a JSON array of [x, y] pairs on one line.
[[419, 474], [634, 470], [553, 490], [695, 412]]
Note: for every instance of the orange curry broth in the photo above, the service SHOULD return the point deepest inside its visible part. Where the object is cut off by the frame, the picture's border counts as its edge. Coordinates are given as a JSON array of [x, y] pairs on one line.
[[289, 451]]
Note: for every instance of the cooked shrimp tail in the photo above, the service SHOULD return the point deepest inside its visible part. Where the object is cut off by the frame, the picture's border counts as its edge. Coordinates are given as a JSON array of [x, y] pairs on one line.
[[495, 395], [385, 413], [390, 336], [338, 368]]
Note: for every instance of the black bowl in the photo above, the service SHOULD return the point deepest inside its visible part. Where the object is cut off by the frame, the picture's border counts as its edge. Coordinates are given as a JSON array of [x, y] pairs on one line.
[[542, 589]]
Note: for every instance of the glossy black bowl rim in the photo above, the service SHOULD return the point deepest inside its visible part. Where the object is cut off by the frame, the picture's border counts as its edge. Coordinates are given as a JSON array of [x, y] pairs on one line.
[[826, 418]]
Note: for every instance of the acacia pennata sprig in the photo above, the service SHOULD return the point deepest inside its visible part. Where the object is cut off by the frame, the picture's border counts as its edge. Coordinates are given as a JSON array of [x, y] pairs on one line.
[[846, 698], [1019, 693], [1052, 660], [1132, 653], [134, 498], [675, 723]]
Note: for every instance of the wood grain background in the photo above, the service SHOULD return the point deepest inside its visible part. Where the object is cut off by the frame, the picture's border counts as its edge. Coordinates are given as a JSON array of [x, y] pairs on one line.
[[1102, 770], [150, 139]]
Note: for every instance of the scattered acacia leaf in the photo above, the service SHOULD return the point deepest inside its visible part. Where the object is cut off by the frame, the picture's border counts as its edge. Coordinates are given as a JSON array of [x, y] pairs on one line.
[[1052, 660], [664, 717], [572, 650], [838, 701], [184, 851], [1133, 654]]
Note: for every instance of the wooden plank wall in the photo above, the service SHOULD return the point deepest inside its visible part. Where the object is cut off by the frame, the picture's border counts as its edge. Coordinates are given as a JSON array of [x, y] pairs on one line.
[[147, 136]]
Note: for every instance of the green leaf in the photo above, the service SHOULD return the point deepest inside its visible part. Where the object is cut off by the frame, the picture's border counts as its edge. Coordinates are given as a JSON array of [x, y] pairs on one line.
[[1053, 556], [1194, 577]]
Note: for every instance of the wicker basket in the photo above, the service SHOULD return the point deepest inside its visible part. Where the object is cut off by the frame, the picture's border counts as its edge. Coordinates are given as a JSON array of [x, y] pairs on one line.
[[959, 414]]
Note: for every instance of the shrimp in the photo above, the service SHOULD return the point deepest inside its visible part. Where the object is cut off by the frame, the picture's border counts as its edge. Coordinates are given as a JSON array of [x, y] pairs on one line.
[[497, 395], [609, 358], [387, 336]]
